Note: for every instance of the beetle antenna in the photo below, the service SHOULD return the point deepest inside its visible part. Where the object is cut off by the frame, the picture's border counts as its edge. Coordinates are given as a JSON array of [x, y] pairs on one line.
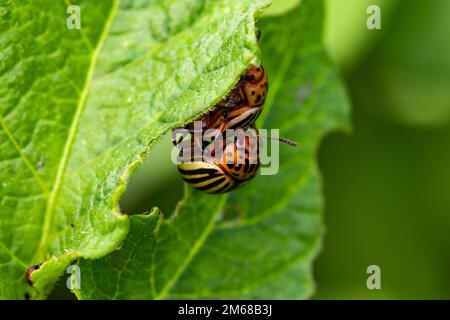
[[284, 140]]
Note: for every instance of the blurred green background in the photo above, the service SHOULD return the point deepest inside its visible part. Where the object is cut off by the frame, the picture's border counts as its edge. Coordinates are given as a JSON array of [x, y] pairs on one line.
[[386, 183]]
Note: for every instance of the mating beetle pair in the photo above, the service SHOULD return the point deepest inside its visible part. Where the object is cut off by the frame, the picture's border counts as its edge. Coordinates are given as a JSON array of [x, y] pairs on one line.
[[239, 109]]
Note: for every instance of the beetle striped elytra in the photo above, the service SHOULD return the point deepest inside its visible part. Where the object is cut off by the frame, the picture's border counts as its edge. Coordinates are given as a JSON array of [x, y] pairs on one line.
[[238, 160], [218, 172]]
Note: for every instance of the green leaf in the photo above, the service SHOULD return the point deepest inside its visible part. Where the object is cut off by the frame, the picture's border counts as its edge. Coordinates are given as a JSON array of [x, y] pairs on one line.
[[154, 254], [80, 108], [264, 240]]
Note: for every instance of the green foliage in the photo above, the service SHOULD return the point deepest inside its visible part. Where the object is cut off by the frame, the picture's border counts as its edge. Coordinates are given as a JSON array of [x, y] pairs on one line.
[[388, 183], [155, 253], [407, 62], [80, 108], [346, 34], [409, 68], [258, 242]]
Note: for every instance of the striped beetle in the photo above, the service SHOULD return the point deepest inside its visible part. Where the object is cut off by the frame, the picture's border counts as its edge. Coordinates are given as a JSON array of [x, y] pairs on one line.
[[224, 167], [241, 106], [239, 162]]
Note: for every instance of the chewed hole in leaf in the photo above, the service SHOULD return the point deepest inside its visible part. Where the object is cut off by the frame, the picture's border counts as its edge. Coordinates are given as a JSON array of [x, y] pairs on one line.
[[156, 183], [60, 291]]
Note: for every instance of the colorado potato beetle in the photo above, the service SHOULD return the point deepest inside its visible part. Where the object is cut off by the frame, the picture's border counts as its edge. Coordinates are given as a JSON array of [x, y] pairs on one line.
[[241, 106], [239, 160], [211, 172]]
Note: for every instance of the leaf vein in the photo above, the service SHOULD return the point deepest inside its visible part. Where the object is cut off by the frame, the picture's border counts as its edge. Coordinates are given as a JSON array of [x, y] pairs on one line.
[[40, 254], [24, 158]]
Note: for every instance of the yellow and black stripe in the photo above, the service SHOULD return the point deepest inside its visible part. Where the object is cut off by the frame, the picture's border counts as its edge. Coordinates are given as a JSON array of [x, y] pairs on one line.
[[206, 177]]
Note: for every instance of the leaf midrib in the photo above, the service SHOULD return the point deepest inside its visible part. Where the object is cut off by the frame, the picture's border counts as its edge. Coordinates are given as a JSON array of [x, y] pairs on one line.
[[48, 218], [164, 292], [248, 288]]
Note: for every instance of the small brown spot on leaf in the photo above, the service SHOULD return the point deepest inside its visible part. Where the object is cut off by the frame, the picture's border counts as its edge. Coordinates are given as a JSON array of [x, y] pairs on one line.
[[30, 271]]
